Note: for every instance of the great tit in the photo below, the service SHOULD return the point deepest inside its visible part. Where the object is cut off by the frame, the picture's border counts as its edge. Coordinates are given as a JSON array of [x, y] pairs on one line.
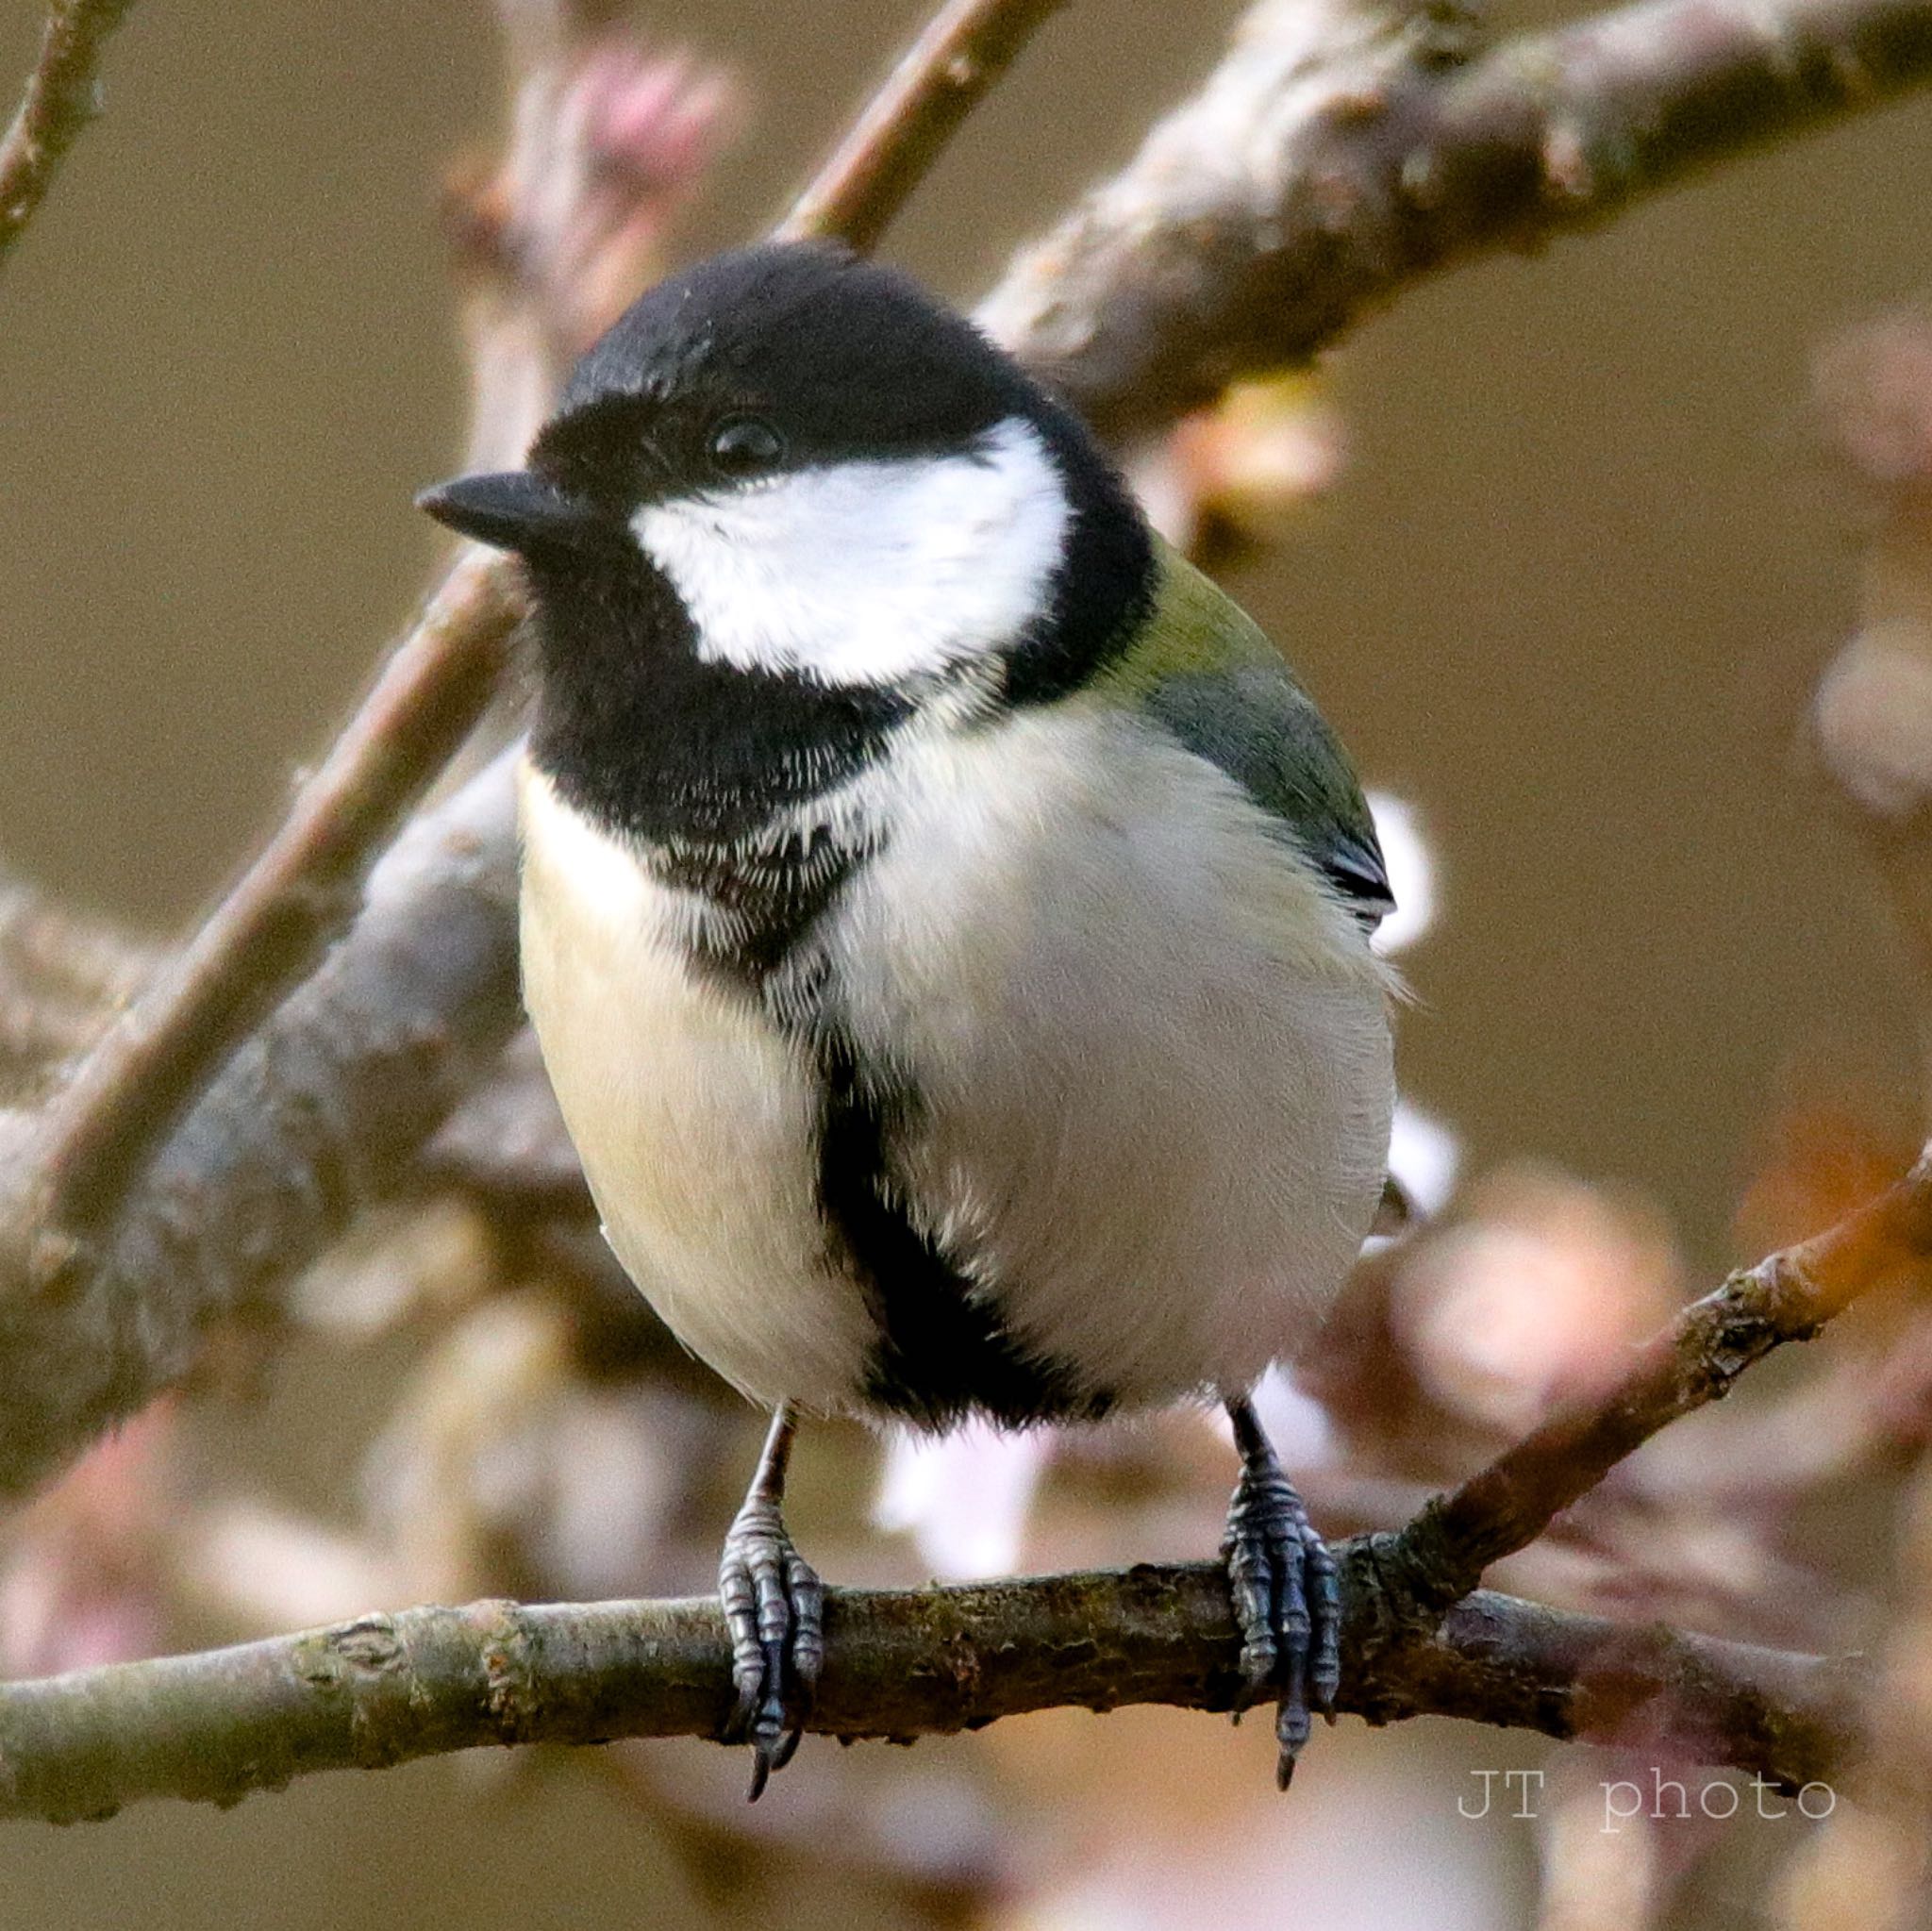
[[944, 918]]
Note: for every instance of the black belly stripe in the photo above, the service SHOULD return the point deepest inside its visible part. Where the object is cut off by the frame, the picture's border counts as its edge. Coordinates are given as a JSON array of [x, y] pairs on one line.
[[943, 1350]]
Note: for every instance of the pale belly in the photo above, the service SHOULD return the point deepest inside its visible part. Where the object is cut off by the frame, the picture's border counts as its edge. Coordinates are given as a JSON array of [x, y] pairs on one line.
[[695, 1118], [1154, 1049], [1152, 1053]]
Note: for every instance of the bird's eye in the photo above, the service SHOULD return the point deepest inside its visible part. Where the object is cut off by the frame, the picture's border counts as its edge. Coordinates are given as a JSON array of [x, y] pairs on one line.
[[743, 446]]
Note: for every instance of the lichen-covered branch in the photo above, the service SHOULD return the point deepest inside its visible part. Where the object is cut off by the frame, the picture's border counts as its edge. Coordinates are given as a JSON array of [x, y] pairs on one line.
[[58, 102], [1342, 152], [1788, 1296], [387, 1689]]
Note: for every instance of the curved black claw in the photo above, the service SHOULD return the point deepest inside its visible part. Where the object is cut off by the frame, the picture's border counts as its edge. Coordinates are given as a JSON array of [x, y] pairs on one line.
[[775, 1607], [1287, 1603]]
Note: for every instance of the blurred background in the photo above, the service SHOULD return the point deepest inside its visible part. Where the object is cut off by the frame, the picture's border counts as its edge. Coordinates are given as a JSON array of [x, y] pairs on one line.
[[1563, 559]]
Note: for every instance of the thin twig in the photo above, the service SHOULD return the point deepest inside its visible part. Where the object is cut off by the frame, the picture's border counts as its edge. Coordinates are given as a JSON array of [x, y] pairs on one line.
[[940, 78], [387, 1689], [59, 100], [1442, 1555], [1343, 153]]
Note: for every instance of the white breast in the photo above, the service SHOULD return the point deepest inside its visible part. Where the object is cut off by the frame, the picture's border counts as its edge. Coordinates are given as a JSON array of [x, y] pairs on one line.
[[1154, 1051], [1153, 1055], [694, 1118]]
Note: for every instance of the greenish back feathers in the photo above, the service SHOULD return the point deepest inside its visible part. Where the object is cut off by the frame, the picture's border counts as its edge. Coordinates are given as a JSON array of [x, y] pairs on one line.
[[1202, 668]]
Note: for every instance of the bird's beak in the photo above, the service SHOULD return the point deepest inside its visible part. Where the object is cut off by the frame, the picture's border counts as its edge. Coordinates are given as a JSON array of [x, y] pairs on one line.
[[514, 509]]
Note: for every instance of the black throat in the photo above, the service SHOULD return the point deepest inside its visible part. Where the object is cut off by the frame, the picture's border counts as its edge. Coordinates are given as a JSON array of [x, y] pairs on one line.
[[652, 742]]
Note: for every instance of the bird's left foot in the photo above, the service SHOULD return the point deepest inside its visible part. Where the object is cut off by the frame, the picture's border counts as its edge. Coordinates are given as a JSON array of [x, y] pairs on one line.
[[1287, 1596]]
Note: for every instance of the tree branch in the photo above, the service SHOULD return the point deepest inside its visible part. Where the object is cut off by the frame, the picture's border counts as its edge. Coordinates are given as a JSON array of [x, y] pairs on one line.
[[1441, 1555], [59, 100], [268, 931], [388, 1688], [1342, 153], [1370, 151], [315, 1119], [941, 77]]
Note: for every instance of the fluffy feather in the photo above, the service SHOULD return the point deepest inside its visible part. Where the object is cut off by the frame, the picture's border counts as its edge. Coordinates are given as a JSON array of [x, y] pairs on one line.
[[695, 1115]]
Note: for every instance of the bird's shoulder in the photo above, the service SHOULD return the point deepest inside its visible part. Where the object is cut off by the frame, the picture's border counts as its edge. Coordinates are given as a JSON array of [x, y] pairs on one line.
[[1202, 670]]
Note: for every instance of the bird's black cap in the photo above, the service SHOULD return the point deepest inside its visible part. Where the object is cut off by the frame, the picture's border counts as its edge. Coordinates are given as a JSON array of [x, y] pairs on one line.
[[849, 357], [838, 359]]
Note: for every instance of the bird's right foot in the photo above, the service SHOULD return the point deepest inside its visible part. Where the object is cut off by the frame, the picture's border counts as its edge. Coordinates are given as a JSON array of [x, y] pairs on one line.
[[774, 1609]]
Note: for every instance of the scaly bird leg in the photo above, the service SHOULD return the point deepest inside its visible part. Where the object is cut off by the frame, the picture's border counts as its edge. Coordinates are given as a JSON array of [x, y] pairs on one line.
[[1287, 1592], [775, 1607]]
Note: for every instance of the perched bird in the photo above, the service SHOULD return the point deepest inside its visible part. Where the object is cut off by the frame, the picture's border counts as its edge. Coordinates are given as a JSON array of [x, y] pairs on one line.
[[944, 918]]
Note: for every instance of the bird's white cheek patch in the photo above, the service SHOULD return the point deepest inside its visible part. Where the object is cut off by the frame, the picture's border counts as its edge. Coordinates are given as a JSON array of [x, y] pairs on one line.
[[866, 572]]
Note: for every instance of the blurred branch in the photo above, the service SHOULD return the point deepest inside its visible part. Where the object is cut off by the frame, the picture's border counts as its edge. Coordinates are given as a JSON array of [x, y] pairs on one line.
[[1870, 726], [62, 976], [1871, 715], [941, 77], [316, 1118], [549, 241], [1788, 1296], [387, 1689], [1881, 1845], [95, 1134], [50, 948], [1343, 152], [60, 98], [507, 1144]]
